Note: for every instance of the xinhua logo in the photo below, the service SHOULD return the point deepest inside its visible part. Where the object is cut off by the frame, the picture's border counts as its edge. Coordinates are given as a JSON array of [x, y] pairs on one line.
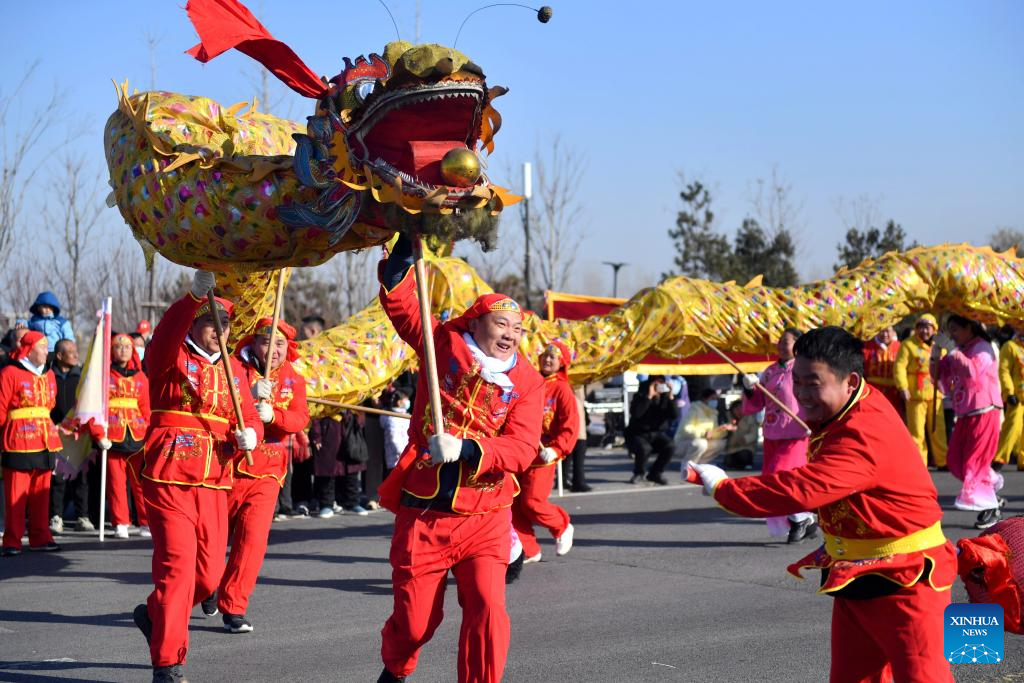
[[973, 633]]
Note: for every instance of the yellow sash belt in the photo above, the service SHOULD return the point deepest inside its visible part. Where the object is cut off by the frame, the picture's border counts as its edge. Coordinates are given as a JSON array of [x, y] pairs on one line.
[[33, 413], [867, 548], [124, 403]]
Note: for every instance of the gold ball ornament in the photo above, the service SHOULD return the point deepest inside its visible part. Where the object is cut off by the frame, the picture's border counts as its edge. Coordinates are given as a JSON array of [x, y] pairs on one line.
[[460, 167]]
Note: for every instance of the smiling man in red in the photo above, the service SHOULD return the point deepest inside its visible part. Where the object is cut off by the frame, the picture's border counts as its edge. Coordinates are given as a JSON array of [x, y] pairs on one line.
[[885, 559], [449, 490]]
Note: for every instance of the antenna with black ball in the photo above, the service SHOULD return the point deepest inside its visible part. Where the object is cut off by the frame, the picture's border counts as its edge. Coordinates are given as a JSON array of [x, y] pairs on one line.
[[393, 22], [543, 15]]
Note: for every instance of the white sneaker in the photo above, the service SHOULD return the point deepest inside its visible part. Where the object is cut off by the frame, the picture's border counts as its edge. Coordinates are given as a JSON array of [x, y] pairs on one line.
[[57, 524], [563, 544], [326, 513], [121, 531], [85, 525], [145, 532], [337, 508], [531, 560]]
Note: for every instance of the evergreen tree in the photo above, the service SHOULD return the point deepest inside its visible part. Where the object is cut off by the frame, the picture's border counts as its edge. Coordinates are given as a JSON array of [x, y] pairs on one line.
[[871, 243]]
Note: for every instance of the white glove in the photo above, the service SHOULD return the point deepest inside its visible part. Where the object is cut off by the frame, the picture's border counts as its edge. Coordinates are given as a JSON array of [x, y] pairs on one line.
[[663, 388], [445, 448], [750, 380], [708, 475], [245, 439], [263, 389], [548, 455], [104, 444], [266, 412], [202, 282]]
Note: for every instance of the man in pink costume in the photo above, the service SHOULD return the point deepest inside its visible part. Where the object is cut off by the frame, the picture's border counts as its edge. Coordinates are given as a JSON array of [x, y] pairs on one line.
[[969, 375], [785, 440]]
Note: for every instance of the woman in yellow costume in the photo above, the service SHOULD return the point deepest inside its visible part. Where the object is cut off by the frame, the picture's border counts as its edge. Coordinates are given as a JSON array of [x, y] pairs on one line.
[[925, 419]]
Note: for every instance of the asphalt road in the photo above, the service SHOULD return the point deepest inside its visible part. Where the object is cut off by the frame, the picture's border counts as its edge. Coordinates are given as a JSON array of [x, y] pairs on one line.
[[660, 586]]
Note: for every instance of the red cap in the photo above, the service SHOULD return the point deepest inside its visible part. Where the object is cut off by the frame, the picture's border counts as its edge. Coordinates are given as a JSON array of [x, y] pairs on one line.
[[222, 303], [562, 351], [263, 328], [28, 340], [143, 327]]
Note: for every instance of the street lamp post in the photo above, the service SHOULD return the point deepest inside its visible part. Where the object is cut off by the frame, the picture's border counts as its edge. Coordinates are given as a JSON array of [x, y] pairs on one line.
[[615, 275]]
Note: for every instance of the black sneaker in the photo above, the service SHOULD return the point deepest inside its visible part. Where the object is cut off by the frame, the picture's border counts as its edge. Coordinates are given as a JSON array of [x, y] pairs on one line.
[[987, 518], [515, 568], [582, 488], [799, 531], [997, 466], [1001, 501], [657, 479], [169, 674], [10, 552], [236, 623], [388, 677], [209, 606], [141, 618], [636, 479], [942, 468], [50, 547]]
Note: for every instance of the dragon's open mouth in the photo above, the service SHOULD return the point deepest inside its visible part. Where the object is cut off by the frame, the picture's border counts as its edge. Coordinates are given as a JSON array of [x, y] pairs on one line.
[[403, 135]]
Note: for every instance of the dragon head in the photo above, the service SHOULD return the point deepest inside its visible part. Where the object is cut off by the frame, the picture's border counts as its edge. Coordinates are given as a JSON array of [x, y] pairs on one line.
[[395, 143]]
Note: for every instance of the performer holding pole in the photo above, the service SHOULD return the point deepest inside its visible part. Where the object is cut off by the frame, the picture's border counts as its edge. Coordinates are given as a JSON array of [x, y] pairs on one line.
[[253, 498], [785, 438], [196, 424], [560, 428], [925, 420], [767, 394], [480, 424], [885, 560]]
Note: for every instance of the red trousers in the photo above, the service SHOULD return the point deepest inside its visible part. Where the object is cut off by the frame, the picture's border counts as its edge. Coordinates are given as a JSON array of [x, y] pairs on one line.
[[117, 490], [26, 489], [189, 525], [896, 637], [475, 548], [532, 507], [251, 505]]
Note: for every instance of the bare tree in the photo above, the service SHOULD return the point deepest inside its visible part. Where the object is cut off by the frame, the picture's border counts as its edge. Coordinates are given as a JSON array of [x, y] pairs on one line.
[[19, 158], [356, 279], [773, 206], [1007, 238], [72, 212], [556, 215], [860, 213]]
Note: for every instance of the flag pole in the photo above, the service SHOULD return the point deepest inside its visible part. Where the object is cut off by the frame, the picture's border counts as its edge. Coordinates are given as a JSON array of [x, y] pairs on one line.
[[107, 305], [278, 301], [429, 357]]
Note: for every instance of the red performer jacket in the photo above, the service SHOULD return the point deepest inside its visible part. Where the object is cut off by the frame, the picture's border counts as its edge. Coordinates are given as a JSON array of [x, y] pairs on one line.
[[190, 438], [129, 406], [291, 416], [879, 369], [561, 423], [25, 403], [876, 502], [504, 424]]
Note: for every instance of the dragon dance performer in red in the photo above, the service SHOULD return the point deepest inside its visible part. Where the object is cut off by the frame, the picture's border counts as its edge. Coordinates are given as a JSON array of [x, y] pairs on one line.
[[560, 427], [129, 419], [186, 472], [885, 560], [282, 409], [450, 492], [28, 392]]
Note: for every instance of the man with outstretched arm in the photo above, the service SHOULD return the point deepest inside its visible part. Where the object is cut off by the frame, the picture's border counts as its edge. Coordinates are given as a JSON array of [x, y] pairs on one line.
[[450, 492], [885, 559], [186, 469]]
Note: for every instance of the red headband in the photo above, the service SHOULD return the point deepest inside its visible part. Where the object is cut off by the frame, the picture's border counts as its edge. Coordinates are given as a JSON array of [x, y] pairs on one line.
[[222, 303], [263, 327], [564, 353], [28, 341], [134, 363]]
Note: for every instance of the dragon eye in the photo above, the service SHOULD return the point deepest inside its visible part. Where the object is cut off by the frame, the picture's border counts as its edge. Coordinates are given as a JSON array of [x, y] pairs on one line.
[[363, 90]]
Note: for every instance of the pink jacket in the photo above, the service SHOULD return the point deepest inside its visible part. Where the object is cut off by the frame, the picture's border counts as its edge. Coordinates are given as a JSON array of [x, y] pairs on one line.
[[778, 379], [970, 377]]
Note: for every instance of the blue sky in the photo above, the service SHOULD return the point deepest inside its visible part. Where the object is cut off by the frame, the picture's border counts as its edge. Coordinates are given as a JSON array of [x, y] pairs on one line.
[[916, 104]]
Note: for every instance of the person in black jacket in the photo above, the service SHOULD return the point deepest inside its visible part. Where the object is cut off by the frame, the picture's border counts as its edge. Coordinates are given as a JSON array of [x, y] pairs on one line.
[[651, 411]]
